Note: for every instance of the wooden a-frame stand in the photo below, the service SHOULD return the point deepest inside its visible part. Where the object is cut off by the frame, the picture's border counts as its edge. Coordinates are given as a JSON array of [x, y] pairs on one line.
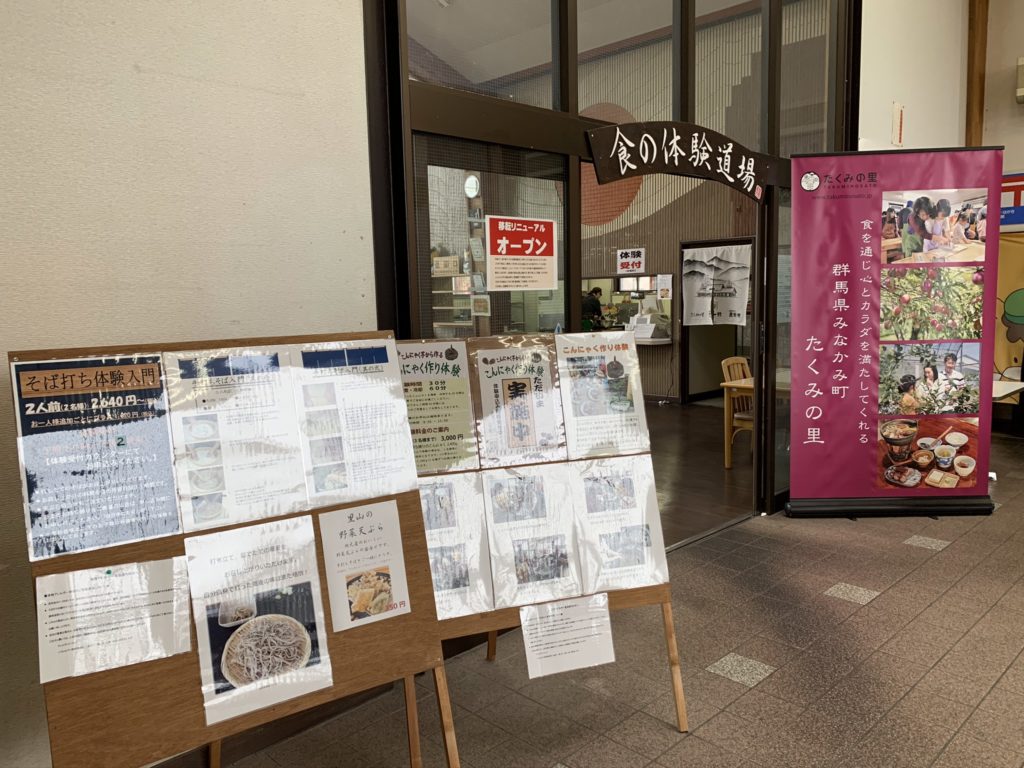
[[508, 618]]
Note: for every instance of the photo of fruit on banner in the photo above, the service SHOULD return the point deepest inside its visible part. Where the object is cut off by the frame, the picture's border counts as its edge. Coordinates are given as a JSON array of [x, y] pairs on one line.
[[931, 452], [932, 303], [917, 379]]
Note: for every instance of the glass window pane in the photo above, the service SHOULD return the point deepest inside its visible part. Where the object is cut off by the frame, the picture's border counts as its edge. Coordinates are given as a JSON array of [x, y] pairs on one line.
[[625, 59], [783, 329], [728, 73], [494, 47], [805, 68], [457, 184]]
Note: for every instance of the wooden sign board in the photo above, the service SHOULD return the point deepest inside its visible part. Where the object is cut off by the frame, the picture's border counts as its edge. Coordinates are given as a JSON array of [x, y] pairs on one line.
[[135, 715], [491, 622]]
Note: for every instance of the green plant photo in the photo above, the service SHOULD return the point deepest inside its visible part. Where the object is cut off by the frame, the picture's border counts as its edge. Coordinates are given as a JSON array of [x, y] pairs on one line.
[[922, 304]]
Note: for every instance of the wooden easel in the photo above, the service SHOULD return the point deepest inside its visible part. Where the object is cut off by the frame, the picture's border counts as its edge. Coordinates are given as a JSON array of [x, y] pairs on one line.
[[136, 715], [508, 618]]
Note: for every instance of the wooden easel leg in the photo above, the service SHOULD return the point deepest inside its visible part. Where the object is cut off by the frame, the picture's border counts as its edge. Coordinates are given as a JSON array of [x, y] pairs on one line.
[[673, 662], [213, 753], [444, 706], [412, 722], [492, 645]]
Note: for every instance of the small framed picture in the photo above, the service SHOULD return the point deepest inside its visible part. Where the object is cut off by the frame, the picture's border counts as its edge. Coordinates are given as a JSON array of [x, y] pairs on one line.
[[481, 306]]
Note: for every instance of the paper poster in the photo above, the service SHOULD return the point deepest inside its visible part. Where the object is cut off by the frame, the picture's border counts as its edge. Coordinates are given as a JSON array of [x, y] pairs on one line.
[[520, 410], [567, 635], [236, 435], [619, 524], [103, 618], [460, 564], [95, 451], [353, 419], [259, 617], [630, 261], [365, 564], [602, 398], [716, 280], [893, 337], [480, 306], [530, 526], [663, 284], [522, 254], [435, 376]]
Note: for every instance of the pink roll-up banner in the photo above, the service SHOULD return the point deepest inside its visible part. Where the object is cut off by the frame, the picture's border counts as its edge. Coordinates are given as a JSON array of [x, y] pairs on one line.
[[893, 324]]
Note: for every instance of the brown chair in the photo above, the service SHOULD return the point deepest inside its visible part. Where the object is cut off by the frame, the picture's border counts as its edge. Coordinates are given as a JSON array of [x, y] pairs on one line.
[[739, 407]]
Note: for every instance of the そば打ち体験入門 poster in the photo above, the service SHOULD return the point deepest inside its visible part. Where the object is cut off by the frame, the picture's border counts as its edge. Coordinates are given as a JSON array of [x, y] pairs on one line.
[[95, 449]]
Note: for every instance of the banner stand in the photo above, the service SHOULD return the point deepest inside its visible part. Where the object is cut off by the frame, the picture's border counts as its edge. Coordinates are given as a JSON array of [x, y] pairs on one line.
[[902, 507]]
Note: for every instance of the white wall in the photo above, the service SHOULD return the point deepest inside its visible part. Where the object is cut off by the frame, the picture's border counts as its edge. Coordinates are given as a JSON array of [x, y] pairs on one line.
[[1004, 117], [914, 52], [180, 170]]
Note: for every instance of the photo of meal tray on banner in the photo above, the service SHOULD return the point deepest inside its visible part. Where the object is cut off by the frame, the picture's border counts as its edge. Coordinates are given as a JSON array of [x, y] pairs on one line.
[[236, 435], [530, 523], [460, 563], [258, 614], [352, 417], [520, 414], [602, 397]]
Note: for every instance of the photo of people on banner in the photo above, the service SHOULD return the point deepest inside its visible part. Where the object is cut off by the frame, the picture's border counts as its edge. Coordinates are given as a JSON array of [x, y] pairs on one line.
[[929, 378], [933, 225]]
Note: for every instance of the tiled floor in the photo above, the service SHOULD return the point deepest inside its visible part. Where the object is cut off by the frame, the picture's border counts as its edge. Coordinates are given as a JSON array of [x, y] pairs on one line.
[[855, 644]]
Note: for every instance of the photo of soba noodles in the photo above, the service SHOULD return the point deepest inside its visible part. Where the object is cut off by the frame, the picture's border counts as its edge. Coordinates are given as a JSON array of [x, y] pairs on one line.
[[258, 637]]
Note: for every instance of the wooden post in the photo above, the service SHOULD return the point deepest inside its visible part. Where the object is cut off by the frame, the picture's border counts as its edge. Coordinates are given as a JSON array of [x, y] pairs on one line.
[[213, 753], [444, 706], [412, 722], [492, 645], [977, 40], [673, 662]]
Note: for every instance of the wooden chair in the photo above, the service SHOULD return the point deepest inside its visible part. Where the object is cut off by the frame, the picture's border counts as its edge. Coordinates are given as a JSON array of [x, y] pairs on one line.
[[739, 407]]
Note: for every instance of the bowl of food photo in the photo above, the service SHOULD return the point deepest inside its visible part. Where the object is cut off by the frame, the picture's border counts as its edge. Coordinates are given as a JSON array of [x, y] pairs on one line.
[[964, 465], [923, 459], [899, 435], [957, 439], [944, 456]]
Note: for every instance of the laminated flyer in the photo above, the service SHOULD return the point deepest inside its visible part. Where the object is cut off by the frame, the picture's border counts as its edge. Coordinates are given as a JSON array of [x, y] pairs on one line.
[[95, 451], [621, 545], [365, 564], [236, 435], [259, 616], [603, 399], [531, 532], [520, 410], [355, 430], [567, 635], [435, 375], [103, 618], [460, 564]]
